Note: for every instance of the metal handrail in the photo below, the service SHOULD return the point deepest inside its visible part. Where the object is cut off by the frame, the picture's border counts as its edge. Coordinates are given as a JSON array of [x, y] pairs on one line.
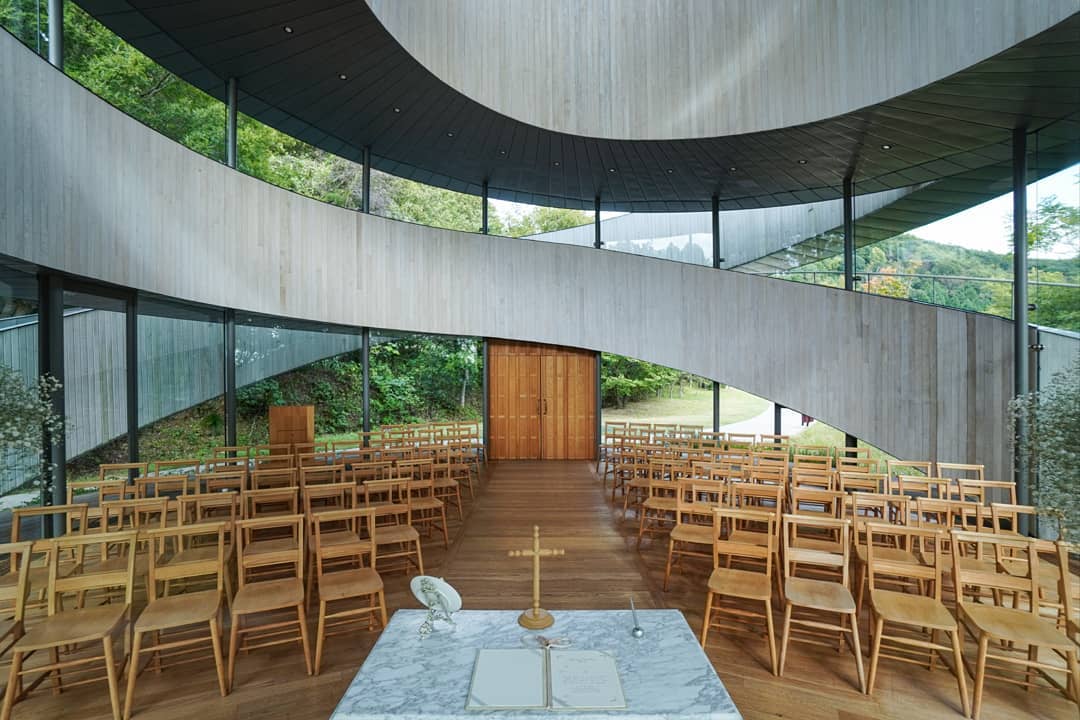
[[915, 275]]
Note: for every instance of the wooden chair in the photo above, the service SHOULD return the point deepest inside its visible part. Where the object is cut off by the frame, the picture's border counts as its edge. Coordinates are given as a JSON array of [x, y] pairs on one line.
[[343, 574], [960, 471], [819, 596], [444, 475], [173, 620], [223, 481], [272, 457], [868, 508], [176, 477], [66, 627], [1009, 627], [393, 517], [267, 503], [916, 486], [320, 499], [14, 588], [428, 512], [657, 515], [895, 468], [740, 583], [98, 492], [321, 475], [772, 442], [693, 534], [919, 610], [849, 482], [278, 595], [987, 492]]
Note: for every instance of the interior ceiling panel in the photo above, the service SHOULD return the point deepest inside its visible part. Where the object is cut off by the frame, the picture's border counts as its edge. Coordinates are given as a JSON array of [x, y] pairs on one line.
[[340, 81]]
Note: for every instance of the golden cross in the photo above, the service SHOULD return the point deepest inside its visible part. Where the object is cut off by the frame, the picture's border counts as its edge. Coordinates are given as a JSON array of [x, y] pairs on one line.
[[536, 618]]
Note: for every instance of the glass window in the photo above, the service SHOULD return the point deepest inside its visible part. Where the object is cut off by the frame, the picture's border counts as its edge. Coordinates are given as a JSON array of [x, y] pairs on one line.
[[19, 359]]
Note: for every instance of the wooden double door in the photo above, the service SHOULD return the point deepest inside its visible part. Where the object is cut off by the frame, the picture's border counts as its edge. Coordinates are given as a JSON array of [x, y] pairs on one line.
[[541, 402]]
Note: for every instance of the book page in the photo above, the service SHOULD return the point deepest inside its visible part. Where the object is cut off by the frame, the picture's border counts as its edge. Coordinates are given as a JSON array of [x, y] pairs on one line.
[[585, 680], [508, 680]]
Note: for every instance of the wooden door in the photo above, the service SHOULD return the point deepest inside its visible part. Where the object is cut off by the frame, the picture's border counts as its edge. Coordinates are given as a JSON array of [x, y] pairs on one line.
[[514, 404], [542, 402]]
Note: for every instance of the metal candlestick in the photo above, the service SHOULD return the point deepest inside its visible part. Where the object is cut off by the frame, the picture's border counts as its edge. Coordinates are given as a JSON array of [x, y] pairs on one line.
[[637, 631]]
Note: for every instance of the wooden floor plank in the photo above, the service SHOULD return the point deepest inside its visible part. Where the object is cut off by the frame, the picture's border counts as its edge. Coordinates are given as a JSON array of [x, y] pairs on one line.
[[602, 568]]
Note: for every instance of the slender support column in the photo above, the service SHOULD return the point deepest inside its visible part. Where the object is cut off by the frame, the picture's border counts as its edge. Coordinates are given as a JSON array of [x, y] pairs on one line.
[[131, 331], [232, 96], [777, 424], [229, 328], [597, 243], [715, 406], [1020, 312], [849, 233], [366, 351], [850, 440], [599, 409], [56, 33], [51, 362], [365, 189], [716, 259], [484, 208], [486, 412]]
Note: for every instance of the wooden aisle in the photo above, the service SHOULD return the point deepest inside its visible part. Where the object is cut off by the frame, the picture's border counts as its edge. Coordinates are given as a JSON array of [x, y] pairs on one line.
[[601, 568]]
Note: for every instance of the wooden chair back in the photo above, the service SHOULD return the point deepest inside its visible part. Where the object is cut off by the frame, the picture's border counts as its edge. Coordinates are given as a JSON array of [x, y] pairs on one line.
[[169, 561], [157, 486], [762, 524], [272, 457], [987, 492], [925, 568], [289, 556], [368, 471], [263, 503], [814, 478], [121, 472], [223, 480], [360, 523], [145, 514], [813, 501], [74, 515], [836, 559], [211, 507], [321, 475], [916, 486], [846, 452], [858, 482], [758, 497], [773, 443], [280, 477], [960, 471], [1020, 577], [856, 464], [86, 577], [14, 591], [812, 456], [895, 468], [323, 498], [188, 467]]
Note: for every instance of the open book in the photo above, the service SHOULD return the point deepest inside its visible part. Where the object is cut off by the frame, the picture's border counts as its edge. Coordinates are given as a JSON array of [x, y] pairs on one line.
[[545, 679]]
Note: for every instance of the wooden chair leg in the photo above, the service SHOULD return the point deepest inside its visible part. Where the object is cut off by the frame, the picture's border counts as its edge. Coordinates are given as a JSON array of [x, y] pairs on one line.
[[304, 636], [667, 568], [114, 683], [320, 636], [419, 558], [382, 608], [772, 636], [215, 638], [1074, 675], [705, 622], [12, 686], [133, 672], [853, 619], [786, 636], [234, 634], [875, 638], [445, 534], [980, 675], [56, 679], [958, 669]]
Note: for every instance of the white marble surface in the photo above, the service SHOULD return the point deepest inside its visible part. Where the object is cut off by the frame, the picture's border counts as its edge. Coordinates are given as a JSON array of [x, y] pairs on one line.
[[664, 675]]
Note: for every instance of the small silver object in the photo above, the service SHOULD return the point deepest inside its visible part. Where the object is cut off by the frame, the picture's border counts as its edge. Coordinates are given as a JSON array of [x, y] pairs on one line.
[[637, 632]]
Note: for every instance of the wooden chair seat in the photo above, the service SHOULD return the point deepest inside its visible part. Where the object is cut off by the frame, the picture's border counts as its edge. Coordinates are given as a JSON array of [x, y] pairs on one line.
[[266, 547], [349, 583], [1015, 626], [268, 595], [819, 595], [889, 554], [72, 627], [912, 609], [179, 610], [337, 538], [397, 534], [700, 534], [427, 503], [660, 504], [740, 583], [749, 537]]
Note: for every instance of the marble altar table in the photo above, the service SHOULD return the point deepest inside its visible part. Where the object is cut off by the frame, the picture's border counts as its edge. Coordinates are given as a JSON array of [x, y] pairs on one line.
[[664, 674]]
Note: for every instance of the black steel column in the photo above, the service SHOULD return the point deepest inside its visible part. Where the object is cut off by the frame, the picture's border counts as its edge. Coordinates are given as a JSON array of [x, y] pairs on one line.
[[365, 188], [716, 237], [229, 328], [849, 233], [131, 332], [486, 411], [484, 208], [850, 440], [366, 365], [597, 243], [777, 424], [232, 97], [1020, 314], [56, 33], [51, 362], [715, 405]]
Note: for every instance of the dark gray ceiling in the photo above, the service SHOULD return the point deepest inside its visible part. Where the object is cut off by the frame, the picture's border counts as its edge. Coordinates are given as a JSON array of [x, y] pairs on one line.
[[420, 128]]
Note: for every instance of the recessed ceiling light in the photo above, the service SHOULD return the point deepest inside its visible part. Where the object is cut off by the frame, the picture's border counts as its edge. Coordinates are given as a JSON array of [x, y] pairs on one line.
[[802, 162], [502, 152], [611, 170], [732, 169], [450, 134], [288, 29], [886, 147], [343, 76], [556, 163], [670, 171], [397, 110]]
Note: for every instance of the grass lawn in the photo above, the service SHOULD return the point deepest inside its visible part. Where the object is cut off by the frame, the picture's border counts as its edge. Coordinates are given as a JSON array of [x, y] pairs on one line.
[[818, 433], [694, 407]]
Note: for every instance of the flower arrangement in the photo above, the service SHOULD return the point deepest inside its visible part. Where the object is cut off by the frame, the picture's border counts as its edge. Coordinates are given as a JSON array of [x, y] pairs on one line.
[[25, 412], [1052, 447]]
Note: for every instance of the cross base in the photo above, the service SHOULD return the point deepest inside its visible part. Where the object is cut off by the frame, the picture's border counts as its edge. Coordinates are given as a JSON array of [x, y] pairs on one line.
[[536, 619]]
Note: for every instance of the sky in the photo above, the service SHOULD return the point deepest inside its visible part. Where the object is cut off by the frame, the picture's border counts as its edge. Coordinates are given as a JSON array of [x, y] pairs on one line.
[[983, 227]]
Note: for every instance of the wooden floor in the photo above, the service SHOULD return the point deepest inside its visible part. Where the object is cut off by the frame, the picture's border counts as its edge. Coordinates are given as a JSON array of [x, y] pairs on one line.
[[601, 569]]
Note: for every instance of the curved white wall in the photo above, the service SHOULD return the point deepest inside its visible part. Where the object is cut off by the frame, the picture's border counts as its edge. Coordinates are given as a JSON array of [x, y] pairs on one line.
[[647, 70], [88, 190]]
